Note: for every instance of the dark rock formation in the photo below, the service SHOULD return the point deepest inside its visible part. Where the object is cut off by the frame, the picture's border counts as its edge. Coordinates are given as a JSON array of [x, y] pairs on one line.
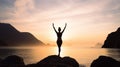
[[12, 61], [70, 61], [2, 43], [113, 40], [56, 61], [50, 61], [0, 60], [104, 61], [12, 37]]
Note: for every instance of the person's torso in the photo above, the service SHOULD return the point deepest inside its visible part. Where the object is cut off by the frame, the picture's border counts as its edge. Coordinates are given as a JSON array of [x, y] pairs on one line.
[[59, 36]]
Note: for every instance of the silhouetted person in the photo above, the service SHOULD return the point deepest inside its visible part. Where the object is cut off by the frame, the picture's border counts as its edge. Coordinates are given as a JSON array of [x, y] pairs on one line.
[[59, 37]]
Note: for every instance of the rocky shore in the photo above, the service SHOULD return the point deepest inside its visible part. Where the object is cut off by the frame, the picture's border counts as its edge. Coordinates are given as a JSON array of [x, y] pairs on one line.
[[50, 61], [56, 61]]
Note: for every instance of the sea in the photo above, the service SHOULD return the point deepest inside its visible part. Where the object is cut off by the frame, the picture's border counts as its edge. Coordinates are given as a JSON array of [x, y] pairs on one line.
[[84, 56]]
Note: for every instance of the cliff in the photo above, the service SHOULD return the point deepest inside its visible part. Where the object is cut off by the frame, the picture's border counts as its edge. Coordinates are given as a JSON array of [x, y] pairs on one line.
[[113, 40], [12, 37]]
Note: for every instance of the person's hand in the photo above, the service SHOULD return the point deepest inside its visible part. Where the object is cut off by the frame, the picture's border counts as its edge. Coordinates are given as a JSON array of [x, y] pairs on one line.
[[65, 24], [53, 24]]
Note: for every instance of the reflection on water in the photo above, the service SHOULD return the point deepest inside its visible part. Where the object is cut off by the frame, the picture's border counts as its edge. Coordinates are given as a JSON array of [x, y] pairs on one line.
[[84, 56]]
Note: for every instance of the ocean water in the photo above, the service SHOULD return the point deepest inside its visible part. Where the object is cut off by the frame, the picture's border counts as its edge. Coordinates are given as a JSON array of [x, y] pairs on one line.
[[84, 56]]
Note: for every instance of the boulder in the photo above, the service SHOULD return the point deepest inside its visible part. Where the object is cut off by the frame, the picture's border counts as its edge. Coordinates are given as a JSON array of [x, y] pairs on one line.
[[104, 61], [70, 61], [56, 61], [12, 61]]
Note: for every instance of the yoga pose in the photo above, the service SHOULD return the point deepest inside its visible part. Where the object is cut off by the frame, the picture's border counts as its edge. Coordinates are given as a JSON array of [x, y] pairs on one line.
[[59, 37]]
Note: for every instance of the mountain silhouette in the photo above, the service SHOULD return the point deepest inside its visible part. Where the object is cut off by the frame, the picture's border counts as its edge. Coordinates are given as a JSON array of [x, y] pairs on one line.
[[113, 40], [10, 36]]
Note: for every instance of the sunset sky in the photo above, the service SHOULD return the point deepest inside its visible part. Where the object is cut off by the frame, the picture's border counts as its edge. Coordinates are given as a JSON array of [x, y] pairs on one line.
[[88, 21]]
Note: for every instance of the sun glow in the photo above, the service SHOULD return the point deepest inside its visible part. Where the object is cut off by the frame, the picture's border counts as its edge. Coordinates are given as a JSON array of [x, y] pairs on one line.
[[52, 51], [88, 22]]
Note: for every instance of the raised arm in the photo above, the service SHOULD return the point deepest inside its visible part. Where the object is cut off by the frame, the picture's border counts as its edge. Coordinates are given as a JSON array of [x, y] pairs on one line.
[[64, 27], [54, 27]]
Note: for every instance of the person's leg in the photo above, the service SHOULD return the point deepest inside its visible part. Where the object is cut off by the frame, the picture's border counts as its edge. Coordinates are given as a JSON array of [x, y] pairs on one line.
[[59, 50], [59, 43]]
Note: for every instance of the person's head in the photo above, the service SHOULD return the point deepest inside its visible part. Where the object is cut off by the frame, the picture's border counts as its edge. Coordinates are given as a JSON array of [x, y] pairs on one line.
[[59, 29]]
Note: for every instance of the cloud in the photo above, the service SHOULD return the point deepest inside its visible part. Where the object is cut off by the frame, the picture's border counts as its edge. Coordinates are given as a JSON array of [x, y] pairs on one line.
[[85, 17], [23, 8], [45, 10], [86, 12], [6, 9]]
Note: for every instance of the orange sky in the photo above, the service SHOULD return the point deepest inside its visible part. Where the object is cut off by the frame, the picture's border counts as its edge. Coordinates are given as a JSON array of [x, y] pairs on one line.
[[89, 21]]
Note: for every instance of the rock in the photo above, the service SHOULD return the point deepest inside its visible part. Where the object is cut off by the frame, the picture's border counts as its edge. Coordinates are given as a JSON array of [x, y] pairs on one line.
[[104, 61], [12, 61], [113, 40], [70, 61], [0, 60], [56, 61], [50, 61], [2, 43]]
